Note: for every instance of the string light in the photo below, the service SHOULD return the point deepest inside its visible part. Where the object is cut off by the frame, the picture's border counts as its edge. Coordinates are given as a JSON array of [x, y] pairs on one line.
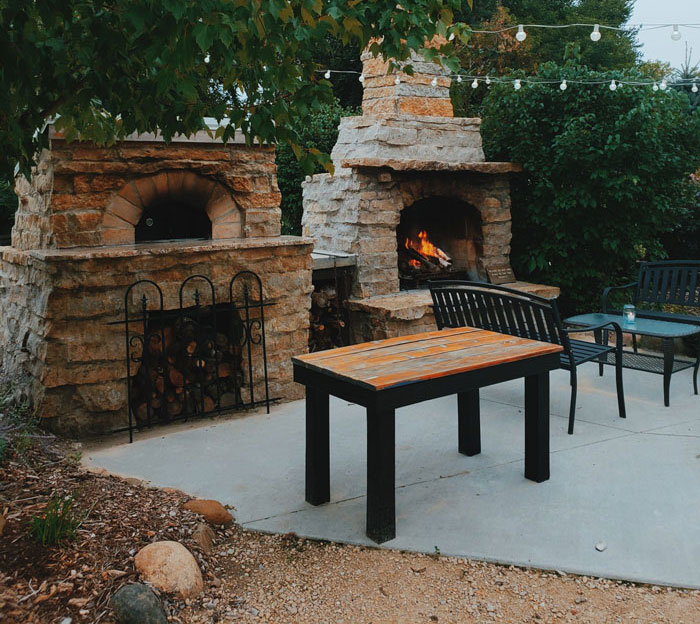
[[475, 84], [563, 85], [694, 88], [397, 80], [521, 35], [459, 78], [433, 82], [627, 28], [676, 34], [655, 87], [488, 81], [451, 37], [362, 78], [613, 85], [595, 35], [327, 75], [663, 85], [516, 84], [207, 58]]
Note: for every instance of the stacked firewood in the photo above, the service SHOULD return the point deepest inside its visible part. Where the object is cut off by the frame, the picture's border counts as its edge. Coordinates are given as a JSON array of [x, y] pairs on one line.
[[328, 320], [186, 368]]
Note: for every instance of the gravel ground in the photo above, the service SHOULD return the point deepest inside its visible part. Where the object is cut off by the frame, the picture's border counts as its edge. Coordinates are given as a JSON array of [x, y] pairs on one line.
[[253, 577]]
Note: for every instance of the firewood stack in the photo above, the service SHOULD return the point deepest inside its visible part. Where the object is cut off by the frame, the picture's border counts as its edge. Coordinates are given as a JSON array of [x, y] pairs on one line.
[[187, 368], [328, 320]]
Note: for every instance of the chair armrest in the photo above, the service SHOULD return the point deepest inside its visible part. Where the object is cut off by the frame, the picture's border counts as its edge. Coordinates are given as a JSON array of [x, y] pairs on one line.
[[610, 324], [606, 292]]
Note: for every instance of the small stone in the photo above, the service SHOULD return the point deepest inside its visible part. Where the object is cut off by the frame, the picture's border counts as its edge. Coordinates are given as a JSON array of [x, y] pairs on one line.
[[580, 600], [490, 608], [66, 620], [291, 609], [212, 511], [137, 604], [204, 537], [601, 546], [170, 567], [253, 611]]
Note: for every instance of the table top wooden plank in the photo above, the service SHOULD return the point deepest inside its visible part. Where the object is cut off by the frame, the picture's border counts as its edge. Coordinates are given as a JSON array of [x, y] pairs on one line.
[[394, 362]]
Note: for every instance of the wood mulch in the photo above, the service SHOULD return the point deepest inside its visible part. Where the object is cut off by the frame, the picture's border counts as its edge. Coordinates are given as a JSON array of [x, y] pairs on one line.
[[252, 577]]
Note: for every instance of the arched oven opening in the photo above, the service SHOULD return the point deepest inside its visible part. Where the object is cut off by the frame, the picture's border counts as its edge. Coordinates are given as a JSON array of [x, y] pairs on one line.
[[169, 219], [439, 238]]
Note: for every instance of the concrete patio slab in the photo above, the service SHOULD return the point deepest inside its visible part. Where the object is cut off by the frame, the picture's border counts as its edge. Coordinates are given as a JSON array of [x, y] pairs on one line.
[[628, 484]]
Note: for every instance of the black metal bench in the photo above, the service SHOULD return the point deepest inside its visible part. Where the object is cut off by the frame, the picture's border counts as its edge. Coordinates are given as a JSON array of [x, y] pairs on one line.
[[513, 312], [662, 284], [670, 282]]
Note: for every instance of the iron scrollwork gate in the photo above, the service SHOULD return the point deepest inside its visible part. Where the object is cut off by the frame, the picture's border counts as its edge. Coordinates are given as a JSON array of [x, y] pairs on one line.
[[200, 358]]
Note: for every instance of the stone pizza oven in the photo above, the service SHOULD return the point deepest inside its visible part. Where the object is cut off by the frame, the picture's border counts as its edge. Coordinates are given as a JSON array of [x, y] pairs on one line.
[[91, 221], [407, 173]]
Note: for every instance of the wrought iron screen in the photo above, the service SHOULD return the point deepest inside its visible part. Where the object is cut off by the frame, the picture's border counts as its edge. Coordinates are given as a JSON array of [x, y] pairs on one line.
[[200, 358]]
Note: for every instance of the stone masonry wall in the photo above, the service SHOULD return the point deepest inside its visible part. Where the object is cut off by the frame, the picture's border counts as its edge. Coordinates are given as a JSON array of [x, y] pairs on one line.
[[357, 212], [57, 305], [85, 196]]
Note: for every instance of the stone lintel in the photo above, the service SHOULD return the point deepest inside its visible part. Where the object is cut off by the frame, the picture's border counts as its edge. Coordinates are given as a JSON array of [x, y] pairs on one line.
[[430, 165]]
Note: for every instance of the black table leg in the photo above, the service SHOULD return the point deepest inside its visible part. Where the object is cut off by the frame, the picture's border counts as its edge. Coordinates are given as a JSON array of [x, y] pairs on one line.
[[537, 427], [318, 469], [598, 336], [668, 368], [469, 426], [381, 498]]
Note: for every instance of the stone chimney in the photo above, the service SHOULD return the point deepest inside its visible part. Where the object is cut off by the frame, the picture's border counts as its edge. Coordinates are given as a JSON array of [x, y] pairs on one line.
[[414, 95]]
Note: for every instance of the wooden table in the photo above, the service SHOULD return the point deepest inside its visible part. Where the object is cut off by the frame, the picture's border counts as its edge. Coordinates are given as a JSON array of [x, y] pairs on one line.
[[387, 374]]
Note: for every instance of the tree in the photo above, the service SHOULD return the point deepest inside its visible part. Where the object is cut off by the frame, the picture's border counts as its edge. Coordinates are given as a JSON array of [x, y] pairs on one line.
[[114, 67], [606, 174], [501, 54]]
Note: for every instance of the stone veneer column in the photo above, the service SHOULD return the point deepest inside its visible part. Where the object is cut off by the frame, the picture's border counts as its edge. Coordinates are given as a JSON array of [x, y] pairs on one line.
[[415, 95]]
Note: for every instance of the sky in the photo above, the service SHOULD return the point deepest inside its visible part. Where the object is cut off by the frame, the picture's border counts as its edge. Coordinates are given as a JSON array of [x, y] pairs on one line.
[[657, 44]]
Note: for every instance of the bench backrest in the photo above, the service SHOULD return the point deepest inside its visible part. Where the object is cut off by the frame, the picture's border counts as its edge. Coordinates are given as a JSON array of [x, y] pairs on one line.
[[669, 282], [497, 308]]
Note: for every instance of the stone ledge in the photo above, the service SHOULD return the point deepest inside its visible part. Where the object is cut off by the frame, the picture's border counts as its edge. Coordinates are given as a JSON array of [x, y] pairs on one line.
[[430, 165], [409, 305], [157, 249]]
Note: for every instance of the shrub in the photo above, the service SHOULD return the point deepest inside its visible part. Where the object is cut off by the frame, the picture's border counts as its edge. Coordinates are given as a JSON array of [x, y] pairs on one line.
[[320, 133], [57, 524], [606, 174], [8, 206]]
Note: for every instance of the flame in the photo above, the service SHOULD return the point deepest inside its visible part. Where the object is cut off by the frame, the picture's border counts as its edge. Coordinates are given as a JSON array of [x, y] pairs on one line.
[[414, 263], [425, 247]]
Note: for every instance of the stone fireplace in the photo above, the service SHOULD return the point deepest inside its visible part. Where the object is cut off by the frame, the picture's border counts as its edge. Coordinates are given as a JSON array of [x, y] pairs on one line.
[[406, 168], [92, 221]]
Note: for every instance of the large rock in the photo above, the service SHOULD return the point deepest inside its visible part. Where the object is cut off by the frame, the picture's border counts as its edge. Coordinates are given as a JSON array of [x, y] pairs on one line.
[[170, 567], [212, 511], [137, 604]]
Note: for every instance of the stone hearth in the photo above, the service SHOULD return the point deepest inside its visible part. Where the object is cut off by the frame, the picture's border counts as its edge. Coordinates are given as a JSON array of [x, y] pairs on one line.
[[404, 151], [73, 254]]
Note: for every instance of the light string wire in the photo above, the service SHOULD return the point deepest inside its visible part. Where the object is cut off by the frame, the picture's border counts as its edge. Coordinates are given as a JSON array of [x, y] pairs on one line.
[[528, 80], [627, 28]]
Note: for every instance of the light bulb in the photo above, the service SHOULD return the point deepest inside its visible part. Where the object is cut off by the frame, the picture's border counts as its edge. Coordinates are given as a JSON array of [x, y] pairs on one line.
[[488, 80], [613, 85], [516, 84], [563, 85], [451, 37], [521, 35], [655, 87], [397, 80], [694, 88], [676, 34], [475, 84], [595, 35], [207, 58], [433, 82], [327, 75], [663, 85], [362, 78], [459, 78], [308, 178]]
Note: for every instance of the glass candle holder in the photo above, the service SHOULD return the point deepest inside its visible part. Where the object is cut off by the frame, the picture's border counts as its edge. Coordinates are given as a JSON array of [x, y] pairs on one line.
[[629, 314]]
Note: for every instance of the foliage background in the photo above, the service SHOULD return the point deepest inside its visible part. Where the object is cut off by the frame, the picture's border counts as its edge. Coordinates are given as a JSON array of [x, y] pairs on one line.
[[607, 174], [320, 132]]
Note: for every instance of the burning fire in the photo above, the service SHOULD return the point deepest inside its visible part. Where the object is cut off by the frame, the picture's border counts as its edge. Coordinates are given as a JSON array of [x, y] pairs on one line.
[[425, 248]]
